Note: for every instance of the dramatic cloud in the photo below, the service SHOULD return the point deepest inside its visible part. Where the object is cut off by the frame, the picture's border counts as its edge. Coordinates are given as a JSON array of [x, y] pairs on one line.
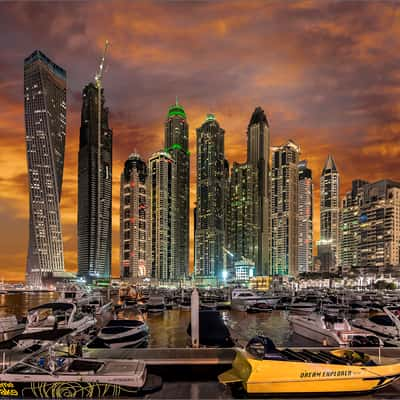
[[326, 73]]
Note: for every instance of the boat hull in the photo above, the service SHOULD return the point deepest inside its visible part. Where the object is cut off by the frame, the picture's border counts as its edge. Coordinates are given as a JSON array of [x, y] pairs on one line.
[[292, 378], [76, 389]]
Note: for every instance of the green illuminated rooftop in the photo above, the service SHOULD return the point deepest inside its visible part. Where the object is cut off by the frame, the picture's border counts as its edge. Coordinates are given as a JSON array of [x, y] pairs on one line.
[[176, 109], [210, 117]]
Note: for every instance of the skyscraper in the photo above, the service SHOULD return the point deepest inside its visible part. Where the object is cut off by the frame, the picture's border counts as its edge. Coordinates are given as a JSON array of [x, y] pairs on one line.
[[379, 244], [134, 219], [45, 123], [162, 216], [210, 222], [328, 246], [350, 226], [305, 219], [94, 187], [243, 222], [177, 144], [258, 142], [284, 240]]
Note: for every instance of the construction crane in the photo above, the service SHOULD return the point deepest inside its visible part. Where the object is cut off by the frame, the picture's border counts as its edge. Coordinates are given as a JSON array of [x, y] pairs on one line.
[[98, 78]]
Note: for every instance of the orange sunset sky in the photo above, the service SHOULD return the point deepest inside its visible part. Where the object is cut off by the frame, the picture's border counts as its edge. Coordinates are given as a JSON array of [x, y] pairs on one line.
[[327, 73]]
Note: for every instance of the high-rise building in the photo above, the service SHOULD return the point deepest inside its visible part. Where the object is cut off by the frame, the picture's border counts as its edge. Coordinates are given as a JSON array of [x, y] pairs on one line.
[[94, 187], [328, 245], [177, 144], [45, 123], [305, 219], [379, 243], [210, 221], [350, 226], [243, 222], [134, 218], [162, 217], [284, 203], [258, 143]]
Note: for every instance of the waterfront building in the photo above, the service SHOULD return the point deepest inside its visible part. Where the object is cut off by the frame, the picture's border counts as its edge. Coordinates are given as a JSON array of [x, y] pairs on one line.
[[94, 187], [45, 124], [328, 246], [284, 205], [258, 144], [210, 218], [176, 141], [134, 219], [244, 223], [379, 222], [305, 219], [350, 226], [162, 217]]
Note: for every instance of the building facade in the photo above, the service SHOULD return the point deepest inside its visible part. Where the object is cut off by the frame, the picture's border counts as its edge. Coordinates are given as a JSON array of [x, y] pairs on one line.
[[176, 140], [45, 124], [328, 246], [350, 226], [210, 218], [162, 217], [134, 220], [305, 219], [284, 204], [94, 187], [244, 213], [379, 222], [258, 145]]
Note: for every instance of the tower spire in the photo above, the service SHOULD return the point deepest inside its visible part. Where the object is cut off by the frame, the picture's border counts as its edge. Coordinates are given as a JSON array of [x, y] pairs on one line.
[[176, 101]]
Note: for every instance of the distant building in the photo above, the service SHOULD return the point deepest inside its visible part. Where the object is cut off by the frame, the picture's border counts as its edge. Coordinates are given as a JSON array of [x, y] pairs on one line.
[[177, 144], [258, 144], [94, 187], [305, 219], [379, 222], [134, 219], [210, 218], [244, 207], [284, 204], [162, 217], [329, 215], [45, 124], [350, 226]]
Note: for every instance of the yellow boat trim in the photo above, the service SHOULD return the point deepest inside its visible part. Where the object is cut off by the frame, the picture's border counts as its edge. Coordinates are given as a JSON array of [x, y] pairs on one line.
[[230, 376]]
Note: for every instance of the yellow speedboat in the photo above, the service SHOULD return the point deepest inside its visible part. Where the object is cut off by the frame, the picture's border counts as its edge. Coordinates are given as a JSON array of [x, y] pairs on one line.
[[263, 369]]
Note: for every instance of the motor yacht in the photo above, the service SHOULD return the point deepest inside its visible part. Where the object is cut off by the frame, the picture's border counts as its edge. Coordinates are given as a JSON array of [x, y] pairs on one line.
[[302, 305], [155, 304], [332, 331], [262, 369], [242, 298], [121, 333]]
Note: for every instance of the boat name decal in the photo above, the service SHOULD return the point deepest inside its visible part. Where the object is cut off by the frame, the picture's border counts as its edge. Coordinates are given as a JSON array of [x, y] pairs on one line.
[[324, 374], [8, 389]]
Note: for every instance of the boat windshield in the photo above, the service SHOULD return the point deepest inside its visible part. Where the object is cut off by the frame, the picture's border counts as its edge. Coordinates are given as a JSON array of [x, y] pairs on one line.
[[382, 320], [24, 368]]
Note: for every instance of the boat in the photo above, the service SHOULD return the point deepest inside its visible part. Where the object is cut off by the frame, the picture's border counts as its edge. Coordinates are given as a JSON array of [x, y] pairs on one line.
[[258, 307], [262, 369], [242, 298], [302, 305], [212, 330], [121, 333], [155, 304], [185, 304], [383, 323], [332, 331], [52, 374], [10, 327]]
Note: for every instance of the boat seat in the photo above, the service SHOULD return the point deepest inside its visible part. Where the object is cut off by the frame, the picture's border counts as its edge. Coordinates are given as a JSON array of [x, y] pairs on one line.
[[314, 357], [293, 355], [334, 359]]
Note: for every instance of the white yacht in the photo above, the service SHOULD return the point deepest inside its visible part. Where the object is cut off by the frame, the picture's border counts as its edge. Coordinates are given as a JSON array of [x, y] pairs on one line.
[[156, 304], [300, 305], [241, 299], [332, 331], [385, 324]]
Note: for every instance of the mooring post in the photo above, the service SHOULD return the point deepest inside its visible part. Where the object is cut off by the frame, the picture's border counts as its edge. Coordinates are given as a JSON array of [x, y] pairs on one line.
[[195, 318]]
